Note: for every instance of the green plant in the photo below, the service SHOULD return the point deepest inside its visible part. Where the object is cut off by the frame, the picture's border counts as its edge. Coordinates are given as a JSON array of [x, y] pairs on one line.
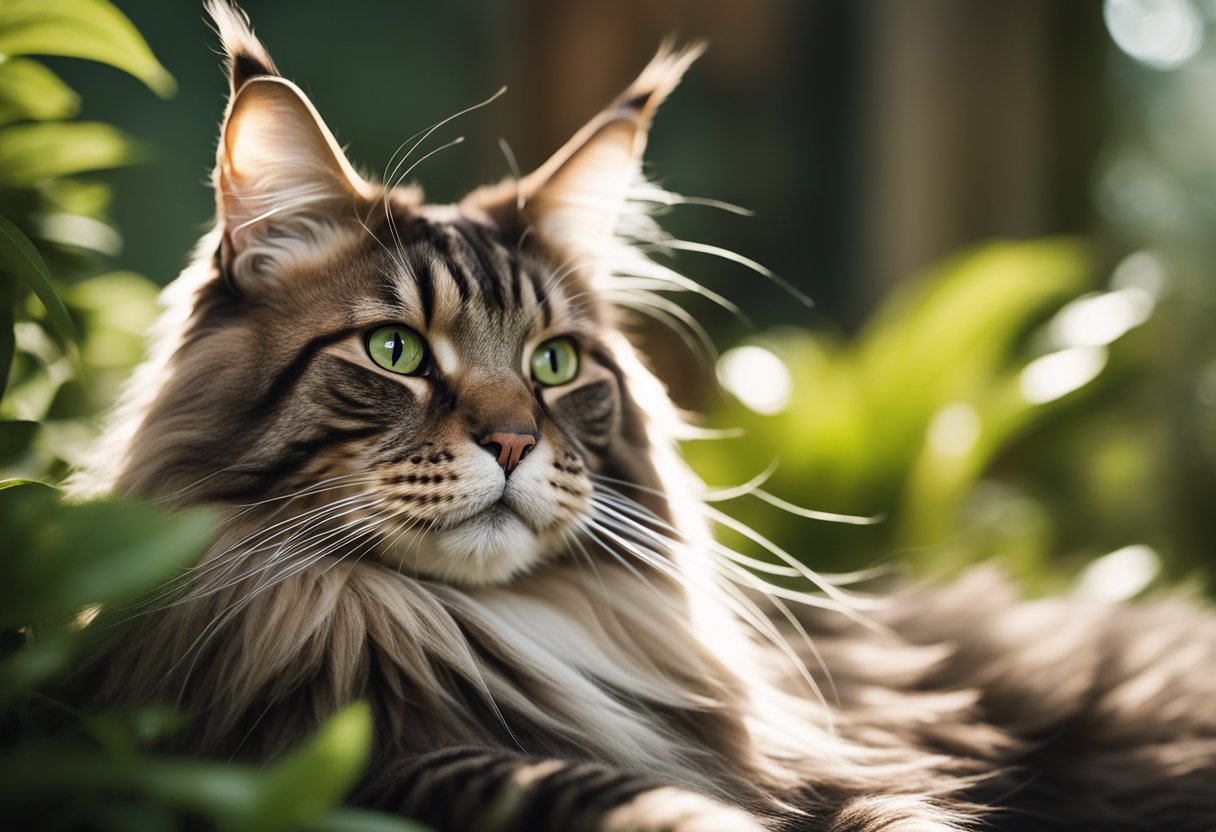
[[953, 417]]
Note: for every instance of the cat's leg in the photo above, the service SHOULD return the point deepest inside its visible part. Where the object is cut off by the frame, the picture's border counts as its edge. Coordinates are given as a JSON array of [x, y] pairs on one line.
[[463, 789]]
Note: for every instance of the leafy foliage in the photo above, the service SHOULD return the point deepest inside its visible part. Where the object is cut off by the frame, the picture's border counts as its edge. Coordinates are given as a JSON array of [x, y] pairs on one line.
[[986, 411], [91, 29]]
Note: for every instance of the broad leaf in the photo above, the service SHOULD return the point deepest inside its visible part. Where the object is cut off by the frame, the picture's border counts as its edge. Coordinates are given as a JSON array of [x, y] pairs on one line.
[[307, 783], [28, 90], [31, 153], [76, 196], [41, 660], [19, 258], [61, 558], [42, 772], [91, 29], [39, 774]]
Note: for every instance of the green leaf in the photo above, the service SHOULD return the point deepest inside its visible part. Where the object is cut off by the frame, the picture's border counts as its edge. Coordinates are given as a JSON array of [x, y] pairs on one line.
[[307, 783], [75, 196], [90, 29], [28, 90], [39, 661], [944, 337], [61, 558], [31, 153], [13, 483], [18, 257], [40, 772]]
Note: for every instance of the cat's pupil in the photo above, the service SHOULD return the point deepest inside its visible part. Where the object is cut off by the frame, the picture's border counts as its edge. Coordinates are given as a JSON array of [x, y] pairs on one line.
[[398, 346], [553, 359]]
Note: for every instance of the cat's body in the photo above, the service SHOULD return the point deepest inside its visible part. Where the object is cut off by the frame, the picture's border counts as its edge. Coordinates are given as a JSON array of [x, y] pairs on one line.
[[449, 487]]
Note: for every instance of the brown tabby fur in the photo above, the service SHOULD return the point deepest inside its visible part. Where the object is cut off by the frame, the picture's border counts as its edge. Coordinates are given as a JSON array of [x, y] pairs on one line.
[[564, 647]]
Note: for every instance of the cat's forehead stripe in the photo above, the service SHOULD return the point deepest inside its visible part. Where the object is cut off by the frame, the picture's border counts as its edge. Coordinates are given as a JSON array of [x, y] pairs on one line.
[[539, 296], [473, 260], [478, 261], [424, 282], [444, 246]]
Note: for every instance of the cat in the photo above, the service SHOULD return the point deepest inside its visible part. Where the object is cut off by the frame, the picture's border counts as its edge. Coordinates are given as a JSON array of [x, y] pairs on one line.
[[449, 486]]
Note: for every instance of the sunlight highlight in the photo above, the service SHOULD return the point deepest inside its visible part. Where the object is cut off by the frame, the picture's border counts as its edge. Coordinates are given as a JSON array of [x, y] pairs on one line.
[[1097, 320], [954, 429], [1120, 575], [757, 378], [1060, 373]]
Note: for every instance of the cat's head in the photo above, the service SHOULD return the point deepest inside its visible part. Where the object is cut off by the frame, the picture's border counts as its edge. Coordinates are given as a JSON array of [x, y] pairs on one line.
[[439, 384]]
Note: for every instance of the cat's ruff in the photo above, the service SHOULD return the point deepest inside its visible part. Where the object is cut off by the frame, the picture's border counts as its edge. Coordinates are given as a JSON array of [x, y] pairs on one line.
[[512, 565]]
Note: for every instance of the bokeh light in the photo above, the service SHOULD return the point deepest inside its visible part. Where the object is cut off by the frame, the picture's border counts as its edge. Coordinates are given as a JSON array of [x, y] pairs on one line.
[[1163, 34], [1059, 373], [757, 378]]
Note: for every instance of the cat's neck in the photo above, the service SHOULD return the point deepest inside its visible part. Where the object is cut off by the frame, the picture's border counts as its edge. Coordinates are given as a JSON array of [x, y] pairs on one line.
[[571, 659]]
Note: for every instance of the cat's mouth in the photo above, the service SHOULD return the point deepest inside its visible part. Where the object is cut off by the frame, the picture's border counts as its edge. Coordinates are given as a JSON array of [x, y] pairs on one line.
[[490, 511], [498, 528], [497, 513], [486, 544]]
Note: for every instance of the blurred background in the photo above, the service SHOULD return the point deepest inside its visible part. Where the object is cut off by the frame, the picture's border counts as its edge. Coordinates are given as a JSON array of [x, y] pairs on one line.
[[1003, 212]]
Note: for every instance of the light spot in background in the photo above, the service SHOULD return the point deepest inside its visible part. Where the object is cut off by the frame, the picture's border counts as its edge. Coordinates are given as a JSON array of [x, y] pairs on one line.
[[1097, 320], [1141, 270], [1138, 191], [1122, 574], [757, 378], [1163, 34], [1060, 373], [954, 429], [1205, 385]]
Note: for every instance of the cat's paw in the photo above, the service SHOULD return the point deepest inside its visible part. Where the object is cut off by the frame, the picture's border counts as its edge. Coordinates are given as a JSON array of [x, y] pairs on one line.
[[670, 809]]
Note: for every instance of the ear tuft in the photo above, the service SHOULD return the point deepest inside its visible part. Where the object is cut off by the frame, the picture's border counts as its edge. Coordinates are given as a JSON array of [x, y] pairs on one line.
[[247, 57], [575, 199], [659, 78]]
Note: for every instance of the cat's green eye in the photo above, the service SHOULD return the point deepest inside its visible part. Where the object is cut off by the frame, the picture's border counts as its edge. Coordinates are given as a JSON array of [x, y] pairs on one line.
[[397, 349], [555, 361]]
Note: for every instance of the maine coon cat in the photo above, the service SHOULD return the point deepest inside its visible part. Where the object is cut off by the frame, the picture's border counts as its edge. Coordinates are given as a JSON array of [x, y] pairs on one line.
[[448, 486]]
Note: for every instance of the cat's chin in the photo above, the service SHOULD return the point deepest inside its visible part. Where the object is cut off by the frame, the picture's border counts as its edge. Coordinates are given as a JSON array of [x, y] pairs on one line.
[[492, 547]]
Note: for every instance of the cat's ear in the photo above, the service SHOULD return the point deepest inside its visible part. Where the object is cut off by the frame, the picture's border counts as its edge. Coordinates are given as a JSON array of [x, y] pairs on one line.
[[282, 183], [574, 200]]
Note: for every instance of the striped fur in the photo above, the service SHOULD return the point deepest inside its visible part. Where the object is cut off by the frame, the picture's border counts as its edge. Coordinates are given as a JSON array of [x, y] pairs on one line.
[[562, 646]]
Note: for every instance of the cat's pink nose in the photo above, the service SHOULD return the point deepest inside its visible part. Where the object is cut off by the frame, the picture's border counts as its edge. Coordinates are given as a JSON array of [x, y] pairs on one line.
[[511, 448]]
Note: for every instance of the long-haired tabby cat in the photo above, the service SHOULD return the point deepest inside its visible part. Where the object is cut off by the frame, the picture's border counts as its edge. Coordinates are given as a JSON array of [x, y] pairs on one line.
[[449, 487]]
